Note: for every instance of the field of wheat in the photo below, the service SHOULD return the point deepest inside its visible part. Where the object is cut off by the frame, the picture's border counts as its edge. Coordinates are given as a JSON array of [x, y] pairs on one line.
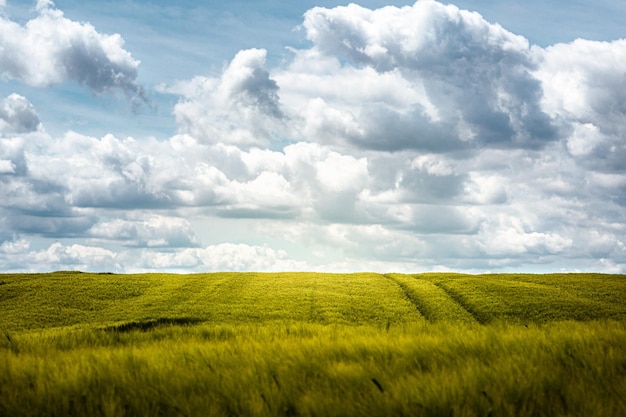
[[308, 344]]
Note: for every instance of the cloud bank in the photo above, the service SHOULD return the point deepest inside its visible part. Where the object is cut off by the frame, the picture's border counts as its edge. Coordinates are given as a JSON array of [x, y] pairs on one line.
[[401, 139]]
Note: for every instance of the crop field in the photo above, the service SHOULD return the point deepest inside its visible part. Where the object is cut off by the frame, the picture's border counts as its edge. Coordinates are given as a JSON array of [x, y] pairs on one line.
[[309, 344]]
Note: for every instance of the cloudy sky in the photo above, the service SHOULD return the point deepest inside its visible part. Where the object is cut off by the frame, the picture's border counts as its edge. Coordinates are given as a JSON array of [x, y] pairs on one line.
[[186, 136]]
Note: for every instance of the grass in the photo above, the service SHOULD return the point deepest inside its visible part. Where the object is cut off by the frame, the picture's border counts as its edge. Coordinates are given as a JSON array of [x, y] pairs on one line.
[[74, 344], [66, 299]]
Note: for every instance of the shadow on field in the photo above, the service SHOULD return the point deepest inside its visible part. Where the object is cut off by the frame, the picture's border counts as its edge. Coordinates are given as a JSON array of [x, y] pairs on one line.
[[146, 325]]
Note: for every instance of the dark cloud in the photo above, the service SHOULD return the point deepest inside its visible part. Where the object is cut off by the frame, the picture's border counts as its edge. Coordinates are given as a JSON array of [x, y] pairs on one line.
[[256, 212], [441, 219], [88, 64], [252, 85], [423, 187], [120, 195], [387, 129], [51, 227]]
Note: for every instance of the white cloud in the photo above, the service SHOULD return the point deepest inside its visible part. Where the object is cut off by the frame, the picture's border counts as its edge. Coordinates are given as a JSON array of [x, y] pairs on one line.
[[584, 139], [588, 98], [126, 174], [511, 238], [222, 257], [147, 230], [340, 172], [14, 247], [12, 152], [432, 165], [584, 88], [6, 167], [108, 172], [486, 189], [79, 255], [17, 256], [386, 79], [241, 107], [267, 195], [469, 80], [50, 49], [18, 115]]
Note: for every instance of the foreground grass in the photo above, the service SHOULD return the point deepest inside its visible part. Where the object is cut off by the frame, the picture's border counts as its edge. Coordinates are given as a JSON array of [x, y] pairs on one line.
[[312, 345], [307, 369]]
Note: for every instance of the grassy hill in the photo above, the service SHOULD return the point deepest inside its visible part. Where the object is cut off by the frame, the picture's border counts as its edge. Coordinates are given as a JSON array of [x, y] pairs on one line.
[[312, 344]]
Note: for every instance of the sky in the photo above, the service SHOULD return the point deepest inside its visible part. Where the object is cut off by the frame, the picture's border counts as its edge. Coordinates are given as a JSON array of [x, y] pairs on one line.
[[388, 136]]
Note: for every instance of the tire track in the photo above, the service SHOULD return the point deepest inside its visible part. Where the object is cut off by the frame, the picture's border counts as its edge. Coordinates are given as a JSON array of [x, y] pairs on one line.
[[432, 301], [408, 293], [459, 301]]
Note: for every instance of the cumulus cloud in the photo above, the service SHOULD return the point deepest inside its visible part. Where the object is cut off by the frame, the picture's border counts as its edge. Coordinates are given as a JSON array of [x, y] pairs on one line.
[[241, 107], [18, 118], [512, 237], [223, 257], [110, 172], [12, 156], [11, 247], [50, 49], [19, 256], [466, 83], [18, 115], [588, 98], [149, 230]]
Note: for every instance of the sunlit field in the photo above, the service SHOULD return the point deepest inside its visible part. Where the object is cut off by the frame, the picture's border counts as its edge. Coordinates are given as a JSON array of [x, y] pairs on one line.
[[307, 344]]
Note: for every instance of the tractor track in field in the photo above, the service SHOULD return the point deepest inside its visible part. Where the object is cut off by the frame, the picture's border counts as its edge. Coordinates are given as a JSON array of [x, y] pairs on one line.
[[409, 296], [458, 300], [457, 308]]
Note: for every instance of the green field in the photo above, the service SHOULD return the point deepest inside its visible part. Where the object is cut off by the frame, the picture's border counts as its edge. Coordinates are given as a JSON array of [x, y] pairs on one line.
[[308, 344]]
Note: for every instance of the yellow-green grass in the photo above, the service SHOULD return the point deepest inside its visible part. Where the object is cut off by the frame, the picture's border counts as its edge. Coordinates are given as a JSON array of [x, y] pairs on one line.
[[432, 301], [77, 344], [65, 299], [538, 298]]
